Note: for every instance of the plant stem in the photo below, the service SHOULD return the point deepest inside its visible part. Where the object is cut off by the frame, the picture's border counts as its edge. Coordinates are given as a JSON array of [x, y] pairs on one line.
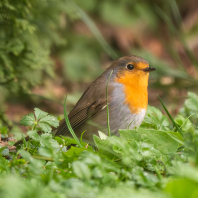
[[108, 125], [169, 115], [69, 125]]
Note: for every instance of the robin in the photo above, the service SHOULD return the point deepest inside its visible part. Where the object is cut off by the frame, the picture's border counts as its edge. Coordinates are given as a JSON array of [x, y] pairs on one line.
[[127, 100]]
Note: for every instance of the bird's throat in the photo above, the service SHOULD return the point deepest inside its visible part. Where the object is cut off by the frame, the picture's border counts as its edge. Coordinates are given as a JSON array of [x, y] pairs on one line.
[[135, 90]]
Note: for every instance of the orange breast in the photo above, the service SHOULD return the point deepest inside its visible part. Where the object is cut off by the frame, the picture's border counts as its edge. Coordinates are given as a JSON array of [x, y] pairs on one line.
[[135, 90]]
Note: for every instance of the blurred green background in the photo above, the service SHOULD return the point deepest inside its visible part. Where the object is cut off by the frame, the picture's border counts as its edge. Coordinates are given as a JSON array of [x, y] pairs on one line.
[[52, 48]]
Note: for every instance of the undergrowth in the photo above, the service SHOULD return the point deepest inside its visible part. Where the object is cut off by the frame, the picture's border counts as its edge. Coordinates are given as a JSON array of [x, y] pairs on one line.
[[154, 160]]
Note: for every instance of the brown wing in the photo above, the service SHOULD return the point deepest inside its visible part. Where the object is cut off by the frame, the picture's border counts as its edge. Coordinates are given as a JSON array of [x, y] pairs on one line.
[[92, 102], [79, 117]]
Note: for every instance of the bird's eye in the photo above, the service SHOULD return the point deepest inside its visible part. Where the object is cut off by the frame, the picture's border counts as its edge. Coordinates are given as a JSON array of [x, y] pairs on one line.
[[130, 67]]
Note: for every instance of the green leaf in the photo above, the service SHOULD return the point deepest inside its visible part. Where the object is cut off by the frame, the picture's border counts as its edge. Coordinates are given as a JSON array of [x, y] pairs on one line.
[[81, 170], [155, 119], [35, 166], [4, 151], [39, 113], [164, 144], [192, 102], [25, 155], [190, 108], [74, 151], [70, 141], [184, 123], [51, 120], [45, 127], [53, 143], [46, 152], [3, 130], [182, 188], [4, 164], [34, 135], [59, 140], [46, 136], [28, 120], [46, 140], [46, 122], [102, 135], [105, 147], [177, 135]]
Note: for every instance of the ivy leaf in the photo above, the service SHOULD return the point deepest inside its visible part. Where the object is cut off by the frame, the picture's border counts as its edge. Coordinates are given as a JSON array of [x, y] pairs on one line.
[[28, 120], [39, 113]]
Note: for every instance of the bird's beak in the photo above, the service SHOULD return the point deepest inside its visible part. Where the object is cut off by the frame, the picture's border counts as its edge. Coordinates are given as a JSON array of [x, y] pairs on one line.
[[149, 69]]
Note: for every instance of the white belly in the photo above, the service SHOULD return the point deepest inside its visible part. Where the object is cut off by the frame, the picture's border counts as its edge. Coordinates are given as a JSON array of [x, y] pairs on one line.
[[120, 116]]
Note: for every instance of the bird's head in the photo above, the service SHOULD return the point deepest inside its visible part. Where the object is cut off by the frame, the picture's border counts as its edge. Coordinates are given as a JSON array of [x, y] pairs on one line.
[[133, 73], [132, 70]]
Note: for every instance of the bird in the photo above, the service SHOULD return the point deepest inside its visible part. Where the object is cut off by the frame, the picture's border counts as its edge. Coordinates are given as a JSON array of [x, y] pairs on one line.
[[126, 98]]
